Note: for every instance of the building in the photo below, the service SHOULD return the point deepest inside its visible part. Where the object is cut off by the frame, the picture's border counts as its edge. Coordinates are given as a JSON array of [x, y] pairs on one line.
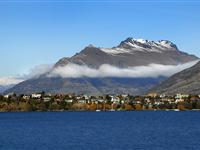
[[162, 96], [181, 97], [82, 101], [8, 95], [115, 99], [47, 99], [68, 100], [36, 95], [153, 95], [26, 97]]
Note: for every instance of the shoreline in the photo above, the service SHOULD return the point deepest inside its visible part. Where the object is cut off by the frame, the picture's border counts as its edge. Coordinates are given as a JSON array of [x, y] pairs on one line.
[[167, 110]]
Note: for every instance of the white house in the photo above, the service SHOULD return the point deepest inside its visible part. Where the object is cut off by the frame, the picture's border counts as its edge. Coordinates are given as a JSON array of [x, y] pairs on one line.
[[47, 99], [8, 95], [26, 97], [115, 99], [36, 95], [180, 97], [82, 101], [68, 100], [162, 96]]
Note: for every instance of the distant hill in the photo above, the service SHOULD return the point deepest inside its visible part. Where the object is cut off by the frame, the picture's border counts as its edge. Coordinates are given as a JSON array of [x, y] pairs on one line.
[[186, 81], [129, 53]]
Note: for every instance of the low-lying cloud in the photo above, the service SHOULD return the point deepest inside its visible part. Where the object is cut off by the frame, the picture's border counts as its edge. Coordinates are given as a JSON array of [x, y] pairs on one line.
[[34, 72], [37, 71], [5, 81], [106, 70]]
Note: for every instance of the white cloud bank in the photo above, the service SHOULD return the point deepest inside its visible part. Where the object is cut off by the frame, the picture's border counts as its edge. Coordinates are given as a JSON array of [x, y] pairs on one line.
[[37, 71], [34, 72], [5, 81], [105, 70]]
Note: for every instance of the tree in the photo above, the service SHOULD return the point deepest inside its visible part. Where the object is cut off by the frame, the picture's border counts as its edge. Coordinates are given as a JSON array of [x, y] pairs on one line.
[[138, 107], [128, 107], [181, 107], [25, 106]]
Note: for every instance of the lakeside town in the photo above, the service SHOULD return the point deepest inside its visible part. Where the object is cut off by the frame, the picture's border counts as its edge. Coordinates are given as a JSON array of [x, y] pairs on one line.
[[71, 102]]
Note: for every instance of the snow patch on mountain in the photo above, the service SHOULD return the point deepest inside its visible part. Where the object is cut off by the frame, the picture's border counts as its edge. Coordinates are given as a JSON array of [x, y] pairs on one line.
[[115, 51], [131, 45]]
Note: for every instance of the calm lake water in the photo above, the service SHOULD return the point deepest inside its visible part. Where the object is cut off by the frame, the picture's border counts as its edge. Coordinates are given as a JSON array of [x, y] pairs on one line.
[[150, 130]]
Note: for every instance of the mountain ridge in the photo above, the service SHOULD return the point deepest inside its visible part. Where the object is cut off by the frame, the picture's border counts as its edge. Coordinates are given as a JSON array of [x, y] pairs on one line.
[[139, 53], [186, 81], [125, 55]]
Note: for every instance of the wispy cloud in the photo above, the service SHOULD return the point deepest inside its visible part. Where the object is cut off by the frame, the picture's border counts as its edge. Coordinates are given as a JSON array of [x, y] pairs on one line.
[[37, 71], [4, 81], [34, 72], [105, 70]]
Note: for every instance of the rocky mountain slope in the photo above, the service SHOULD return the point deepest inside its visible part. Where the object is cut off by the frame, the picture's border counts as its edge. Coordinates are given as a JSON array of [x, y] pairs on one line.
[[129, 53], [5, 87], [186, 81], [91, 86]]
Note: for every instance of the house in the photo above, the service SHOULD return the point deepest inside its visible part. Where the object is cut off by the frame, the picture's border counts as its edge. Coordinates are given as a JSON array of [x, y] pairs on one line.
[[36, 95], [158, 103], [162, 96], [124, 95], [147, 100], [78, 97], [101, 100], [68, 100], [47, 99], [26, 97], [153, 95], [123, 101], [181, 97], [82, 101], [86, 97], [8, 95], [57, 100], [115, 99]]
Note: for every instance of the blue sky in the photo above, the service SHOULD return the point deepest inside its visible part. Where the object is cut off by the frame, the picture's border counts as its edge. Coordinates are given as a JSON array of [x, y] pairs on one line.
[[41, 32]]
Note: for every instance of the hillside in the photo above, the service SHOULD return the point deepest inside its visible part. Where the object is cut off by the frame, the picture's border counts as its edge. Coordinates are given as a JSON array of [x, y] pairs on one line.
[[186, 81]]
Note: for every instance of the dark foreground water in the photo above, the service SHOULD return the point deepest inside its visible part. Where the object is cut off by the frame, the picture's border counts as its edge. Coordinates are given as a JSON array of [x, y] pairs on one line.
[[100, 130]]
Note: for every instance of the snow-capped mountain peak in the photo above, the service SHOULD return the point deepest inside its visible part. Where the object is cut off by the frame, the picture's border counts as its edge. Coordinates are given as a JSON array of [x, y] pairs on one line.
[[150, 43], [131, 45], [167, 44], [141, 40]]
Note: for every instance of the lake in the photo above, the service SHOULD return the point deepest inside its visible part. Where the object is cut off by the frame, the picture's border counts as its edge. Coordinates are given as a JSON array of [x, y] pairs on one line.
[[136, 130]]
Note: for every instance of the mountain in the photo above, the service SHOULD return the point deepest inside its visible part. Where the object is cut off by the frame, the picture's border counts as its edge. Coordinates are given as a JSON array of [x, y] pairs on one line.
[[186, 81], [5, 87], [91, 86], [129, 53]]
